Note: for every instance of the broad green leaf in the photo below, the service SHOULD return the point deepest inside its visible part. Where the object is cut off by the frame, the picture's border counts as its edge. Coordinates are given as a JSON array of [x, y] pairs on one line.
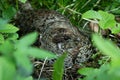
[[40, 53], [24, 65], [1, 39], [27, 40], [23, 1], [106, 46], [59, 68], [116, 29], [8, 28], [106, 15], [91, 14], [105, 24], [107, 20], [7, 48], [7, 69], [9, 13], [86, 71]]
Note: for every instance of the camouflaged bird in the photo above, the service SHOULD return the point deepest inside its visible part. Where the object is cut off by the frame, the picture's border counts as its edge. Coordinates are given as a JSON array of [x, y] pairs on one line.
[[56, 34]]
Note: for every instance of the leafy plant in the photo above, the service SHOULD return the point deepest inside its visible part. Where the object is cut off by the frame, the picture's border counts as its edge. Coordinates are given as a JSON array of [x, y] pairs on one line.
[[104, 19], [15, 62], [108, 71], [7, 30], [15, 54]]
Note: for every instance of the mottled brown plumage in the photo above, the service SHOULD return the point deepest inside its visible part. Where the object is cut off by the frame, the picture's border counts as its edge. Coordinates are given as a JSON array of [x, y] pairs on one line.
[[56, 34]]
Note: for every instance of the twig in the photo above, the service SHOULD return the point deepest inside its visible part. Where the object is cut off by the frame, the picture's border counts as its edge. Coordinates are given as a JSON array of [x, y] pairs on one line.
[[94, 21], [42, 68], [37, 63], [85, 25]]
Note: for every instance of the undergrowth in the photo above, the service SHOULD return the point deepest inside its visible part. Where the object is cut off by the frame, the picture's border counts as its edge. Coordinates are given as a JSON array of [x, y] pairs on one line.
[[15, 52]]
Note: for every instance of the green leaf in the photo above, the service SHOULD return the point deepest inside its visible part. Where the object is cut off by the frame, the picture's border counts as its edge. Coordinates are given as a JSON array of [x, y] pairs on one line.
[[27, 40], [8, 28], [110, 49], [105, 24], [40, 53], [107, 20], [106, 46], [23, 1], [59, 68], [91, 14], [86, 71], [9, 13], [23, 63], [7, 48], [92, 73], [116, 29], [1, 39], [96, 73], [7, 69]]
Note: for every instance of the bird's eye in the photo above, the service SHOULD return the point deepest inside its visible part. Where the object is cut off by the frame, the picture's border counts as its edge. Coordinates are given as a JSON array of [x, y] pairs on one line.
[[60, 38]]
